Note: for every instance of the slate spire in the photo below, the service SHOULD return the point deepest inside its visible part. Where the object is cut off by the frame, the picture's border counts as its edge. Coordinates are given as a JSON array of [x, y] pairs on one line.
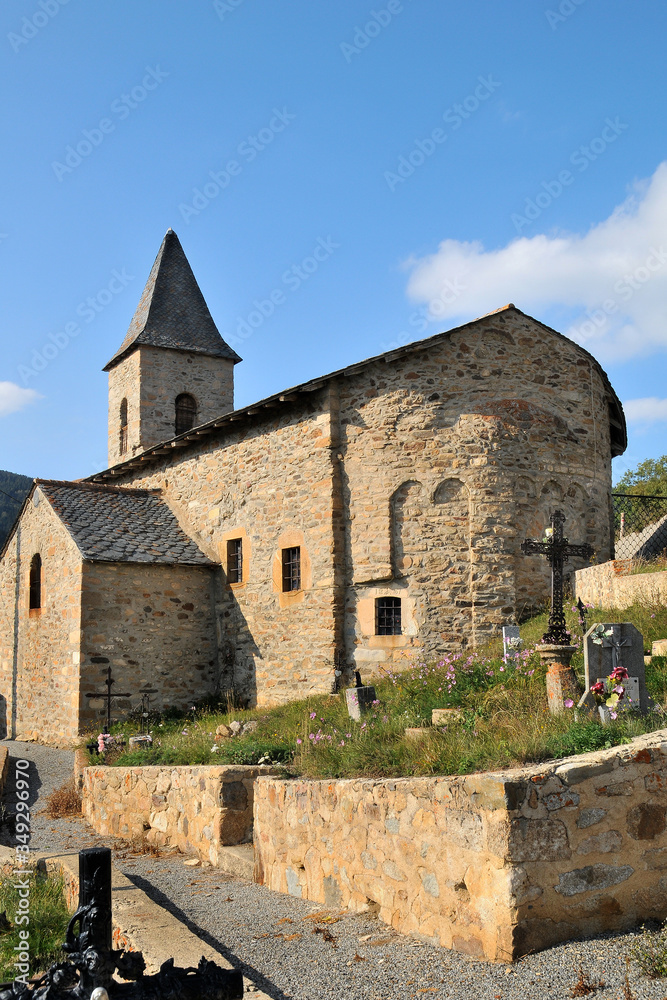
[[172, 312]]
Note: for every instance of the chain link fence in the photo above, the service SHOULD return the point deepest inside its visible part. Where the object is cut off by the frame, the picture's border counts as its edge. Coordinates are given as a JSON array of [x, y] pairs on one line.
[[640, 525]]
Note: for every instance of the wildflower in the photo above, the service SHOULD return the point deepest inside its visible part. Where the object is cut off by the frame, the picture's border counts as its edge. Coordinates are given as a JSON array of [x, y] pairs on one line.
[[568, 703], [313, 714], [298, 741], [342, 743], [376, 702], [613, 715], [215, 748], [311, 736], [349, 735]]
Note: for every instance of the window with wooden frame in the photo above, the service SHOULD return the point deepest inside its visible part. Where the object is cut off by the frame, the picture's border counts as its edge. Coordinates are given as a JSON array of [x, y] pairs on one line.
[[35, 598], [123, 427], [291, 569], [235, 560], [388, 616], [186, 413]]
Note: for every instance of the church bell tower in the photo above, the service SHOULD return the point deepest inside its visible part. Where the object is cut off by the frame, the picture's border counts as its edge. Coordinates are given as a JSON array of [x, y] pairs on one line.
[[173, 371]]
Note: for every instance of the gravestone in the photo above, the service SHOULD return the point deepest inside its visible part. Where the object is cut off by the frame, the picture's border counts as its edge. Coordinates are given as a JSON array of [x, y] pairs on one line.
[[360, 698], [624, 647], [511, 641]]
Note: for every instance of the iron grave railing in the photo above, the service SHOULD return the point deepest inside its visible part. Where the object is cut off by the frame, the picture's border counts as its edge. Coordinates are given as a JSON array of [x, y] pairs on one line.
[[640, 525]]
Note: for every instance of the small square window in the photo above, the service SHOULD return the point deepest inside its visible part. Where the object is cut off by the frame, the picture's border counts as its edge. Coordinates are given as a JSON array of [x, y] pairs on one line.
[[235, 560], [388, 616], [291, 569]]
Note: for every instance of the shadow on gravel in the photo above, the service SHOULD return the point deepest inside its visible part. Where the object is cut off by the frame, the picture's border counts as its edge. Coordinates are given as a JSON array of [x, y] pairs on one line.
[[249, 971], [9, 798]]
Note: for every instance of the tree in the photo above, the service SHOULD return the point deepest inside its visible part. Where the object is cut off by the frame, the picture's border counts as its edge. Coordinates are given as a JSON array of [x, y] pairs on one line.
[[649, 478]]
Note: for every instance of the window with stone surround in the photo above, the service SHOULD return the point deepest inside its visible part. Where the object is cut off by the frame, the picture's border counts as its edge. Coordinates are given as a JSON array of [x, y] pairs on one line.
[[291, 569], [234, 560], [186, 413], [123, 427], [388, 616], [35, 599]]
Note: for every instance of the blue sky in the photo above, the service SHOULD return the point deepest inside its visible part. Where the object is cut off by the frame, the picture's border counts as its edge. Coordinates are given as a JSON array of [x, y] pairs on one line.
[[451, 157]]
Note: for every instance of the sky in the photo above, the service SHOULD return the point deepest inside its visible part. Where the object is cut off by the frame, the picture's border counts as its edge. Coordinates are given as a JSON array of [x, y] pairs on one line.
[[443, 159]]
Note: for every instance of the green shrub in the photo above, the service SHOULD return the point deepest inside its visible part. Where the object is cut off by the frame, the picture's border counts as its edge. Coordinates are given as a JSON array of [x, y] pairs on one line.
[[649, 953]]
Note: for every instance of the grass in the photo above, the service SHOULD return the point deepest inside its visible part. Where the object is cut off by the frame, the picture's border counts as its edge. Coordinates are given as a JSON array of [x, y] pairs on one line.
[[503, 721], [48, 921], [655, 565]]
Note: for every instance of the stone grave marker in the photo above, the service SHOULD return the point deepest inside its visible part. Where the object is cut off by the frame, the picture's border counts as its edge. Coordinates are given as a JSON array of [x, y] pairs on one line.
[[623, 647], [511, 641], [360, 698]]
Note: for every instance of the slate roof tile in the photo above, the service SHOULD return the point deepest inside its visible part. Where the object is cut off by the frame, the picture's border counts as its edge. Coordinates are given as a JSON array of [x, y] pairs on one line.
[[112, 524]]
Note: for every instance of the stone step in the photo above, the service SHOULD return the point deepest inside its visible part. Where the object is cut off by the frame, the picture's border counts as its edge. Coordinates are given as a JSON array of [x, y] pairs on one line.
[[238, 859]]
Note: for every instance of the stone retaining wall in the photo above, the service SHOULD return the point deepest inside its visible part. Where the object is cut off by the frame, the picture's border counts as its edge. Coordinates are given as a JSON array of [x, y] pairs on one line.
[[495, 865], [608, 586], [195, 809]]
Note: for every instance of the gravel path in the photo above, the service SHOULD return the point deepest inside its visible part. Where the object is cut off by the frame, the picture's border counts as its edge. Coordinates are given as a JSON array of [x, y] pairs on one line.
[[294, 950]]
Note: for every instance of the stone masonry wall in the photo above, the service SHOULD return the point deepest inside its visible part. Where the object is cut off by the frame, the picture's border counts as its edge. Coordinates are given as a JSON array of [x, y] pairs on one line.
[[495, 865], [195, 809], [607, 585], [452, 456], [155, 626], [150, 379], [269, 483], [39, 649]]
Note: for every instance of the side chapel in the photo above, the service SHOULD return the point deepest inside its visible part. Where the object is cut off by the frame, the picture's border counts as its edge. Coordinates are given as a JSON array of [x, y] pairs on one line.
[[361, 520]]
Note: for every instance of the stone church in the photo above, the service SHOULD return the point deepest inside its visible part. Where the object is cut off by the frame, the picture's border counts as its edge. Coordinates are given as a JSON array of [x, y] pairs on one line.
[[363, 519]]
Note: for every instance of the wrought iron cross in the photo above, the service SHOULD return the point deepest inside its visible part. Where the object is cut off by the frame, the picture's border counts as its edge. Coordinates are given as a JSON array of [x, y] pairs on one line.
[[107, 696], [557, 550]]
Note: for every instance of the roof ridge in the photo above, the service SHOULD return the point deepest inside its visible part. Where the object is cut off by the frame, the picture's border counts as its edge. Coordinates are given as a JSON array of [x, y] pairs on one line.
[[287, 395], [101, 487]]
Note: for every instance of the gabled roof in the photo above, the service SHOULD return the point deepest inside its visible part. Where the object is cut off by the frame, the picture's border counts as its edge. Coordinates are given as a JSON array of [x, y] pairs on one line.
[[235, 418], [111, 524], [172, 311]]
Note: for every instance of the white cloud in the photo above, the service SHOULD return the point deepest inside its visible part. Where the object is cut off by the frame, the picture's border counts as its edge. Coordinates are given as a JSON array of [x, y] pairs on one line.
[[13, 398], [615, 276], [649, 410]]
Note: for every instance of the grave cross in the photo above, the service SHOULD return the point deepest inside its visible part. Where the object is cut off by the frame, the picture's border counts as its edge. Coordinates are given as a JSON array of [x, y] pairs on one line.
[[107, 696], [145, 704], [557, 550], [616, 643]]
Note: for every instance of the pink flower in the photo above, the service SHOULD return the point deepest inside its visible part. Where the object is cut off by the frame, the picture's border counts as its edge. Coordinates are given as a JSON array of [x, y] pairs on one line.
[[613, 715], [298, 741], [313, 715], [568, 703], [342, 743]]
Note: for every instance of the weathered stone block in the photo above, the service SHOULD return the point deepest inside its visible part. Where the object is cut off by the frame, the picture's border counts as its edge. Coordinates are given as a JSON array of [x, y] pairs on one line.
[[592, 877]]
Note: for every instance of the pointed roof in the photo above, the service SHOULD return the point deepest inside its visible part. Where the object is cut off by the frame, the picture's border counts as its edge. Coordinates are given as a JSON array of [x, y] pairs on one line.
[[172, 311]]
